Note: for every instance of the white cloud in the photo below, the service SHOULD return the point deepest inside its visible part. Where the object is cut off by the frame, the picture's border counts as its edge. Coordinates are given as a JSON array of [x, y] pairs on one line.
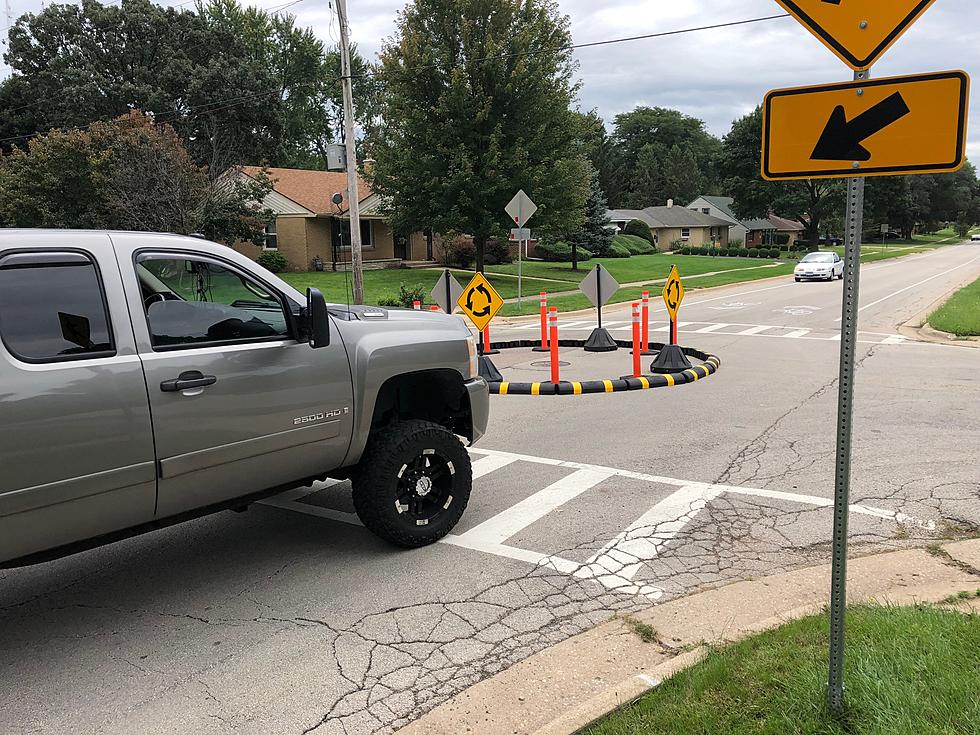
[[716, 75]]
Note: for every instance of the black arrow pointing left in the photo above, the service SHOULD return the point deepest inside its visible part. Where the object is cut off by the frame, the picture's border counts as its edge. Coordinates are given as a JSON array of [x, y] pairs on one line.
[[841, 139]]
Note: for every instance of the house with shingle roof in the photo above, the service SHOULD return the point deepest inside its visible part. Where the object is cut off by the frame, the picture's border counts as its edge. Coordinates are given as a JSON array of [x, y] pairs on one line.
[[751, 232], [310, 226], [671, 224]]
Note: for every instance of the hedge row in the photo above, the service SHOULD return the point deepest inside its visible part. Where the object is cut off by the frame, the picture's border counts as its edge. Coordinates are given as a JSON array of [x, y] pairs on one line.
[[732, 252]]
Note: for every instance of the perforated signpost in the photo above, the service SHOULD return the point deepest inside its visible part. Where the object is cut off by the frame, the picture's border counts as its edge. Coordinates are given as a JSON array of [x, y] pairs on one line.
[[886, 127], [520, 209]]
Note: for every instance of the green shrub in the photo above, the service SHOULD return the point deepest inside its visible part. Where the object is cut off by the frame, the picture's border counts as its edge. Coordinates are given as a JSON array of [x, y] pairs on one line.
[[703, 250], [773, 252], [408, 296], [557, 251], [273, 260], [743, 252], [618, 251], [678, 245], [389, 302], [735, 244], [753, 252], [782, 239], [638, 228], [497, 252], [636, 245]]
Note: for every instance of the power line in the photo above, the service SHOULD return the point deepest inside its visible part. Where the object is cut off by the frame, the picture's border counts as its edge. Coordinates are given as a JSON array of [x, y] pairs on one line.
[[592, 44], [191, 112]]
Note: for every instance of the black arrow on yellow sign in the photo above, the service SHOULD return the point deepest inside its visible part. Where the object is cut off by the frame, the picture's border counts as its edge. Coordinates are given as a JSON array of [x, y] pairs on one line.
[[485, 311], [841, 138]]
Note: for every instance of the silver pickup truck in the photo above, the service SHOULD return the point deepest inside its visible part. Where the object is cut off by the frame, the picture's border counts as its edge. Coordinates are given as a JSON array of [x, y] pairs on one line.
[[147, 379]]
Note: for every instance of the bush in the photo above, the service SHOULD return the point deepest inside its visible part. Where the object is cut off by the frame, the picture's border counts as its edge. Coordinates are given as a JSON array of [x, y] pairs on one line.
[[773, 252], [735, 244], [455, 251], [753, 252], [389, 302], [273, 260], [497, 252], [678, 245], [635, 244], [618, 251], [638, 228], [559, 252], [743, 252], [704, 250]]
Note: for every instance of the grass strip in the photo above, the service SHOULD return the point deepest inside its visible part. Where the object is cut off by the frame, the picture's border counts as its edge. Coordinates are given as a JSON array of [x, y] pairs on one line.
[[960, 315], [910, 671]]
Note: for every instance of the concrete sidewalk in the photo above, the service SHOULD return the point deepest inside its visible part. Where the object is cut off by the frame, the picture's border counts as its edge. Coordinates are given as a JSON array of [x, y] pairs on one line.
[[564, 688]]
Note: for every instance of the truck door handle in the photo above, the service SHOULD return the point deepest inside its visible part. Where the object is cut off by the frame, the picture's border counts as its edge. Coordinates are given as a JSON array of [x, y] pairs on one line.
[[188, 380]]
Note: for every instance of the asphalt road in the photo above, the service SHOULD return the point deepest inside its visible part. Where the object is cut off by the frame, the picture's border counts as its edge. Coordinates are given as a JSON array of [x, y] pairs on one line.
[[291, 618]]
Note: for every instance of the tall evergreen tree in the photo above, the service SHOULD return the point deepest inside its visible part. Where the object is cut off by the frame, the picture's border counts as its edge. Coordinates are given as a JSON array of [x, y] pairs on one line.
[[476, 104], [595, 234]]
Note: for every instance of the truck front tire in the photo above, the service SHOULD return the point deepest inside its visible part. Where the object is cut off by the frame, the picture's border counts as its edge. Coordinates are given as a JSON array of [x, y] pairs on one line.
[[413, 483]]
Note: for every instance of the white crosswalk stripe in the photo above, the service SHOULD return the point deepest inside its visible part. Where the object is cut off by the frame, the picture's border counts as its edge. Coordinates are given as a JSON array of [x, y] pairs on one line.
[[616, 564]]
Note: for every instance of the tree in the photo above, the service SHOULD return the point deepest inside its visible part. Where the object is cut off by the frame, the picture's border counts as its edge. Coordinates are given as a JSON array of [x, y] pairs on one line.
[[669, 155], [238, 85], [595, 234], [603, 153], [811, 201], [469, 117], [127, 174], [908, 202]]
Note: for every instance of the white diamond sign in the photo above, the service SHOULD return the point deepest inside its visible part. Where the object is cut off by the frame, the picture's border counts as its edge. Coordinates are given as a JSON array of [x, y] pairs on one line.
[[521, 208]]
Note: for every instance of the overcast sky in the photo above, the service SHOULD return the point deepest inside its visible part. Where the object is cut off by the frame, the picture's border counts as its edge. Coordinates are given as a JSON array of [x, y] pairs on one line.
[[715, 75]]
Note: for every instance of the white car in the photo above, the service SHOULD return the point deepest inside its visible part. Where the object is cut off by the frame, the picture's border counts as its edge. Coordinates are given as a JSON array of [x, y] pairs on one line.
[[823, 266], [975, 237]]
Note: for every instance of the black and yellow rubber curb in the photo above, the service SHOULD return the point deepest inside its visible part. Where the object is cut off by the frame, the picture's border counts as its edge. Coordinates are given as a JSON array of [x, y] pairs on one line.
[[709, 365]]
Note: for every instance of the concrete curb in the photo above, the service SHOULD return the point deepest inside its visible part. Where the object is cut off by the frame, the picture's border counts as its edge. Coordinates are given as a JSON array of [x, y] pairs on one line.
[[918, 327], [565, 688]]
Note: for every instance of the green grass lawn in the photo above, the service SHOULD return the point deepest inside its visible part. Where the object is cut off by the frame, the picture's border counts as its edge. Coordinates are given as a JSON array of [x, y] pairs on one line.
[[961, 314], [381, 283], [639, 268], [909, 671]]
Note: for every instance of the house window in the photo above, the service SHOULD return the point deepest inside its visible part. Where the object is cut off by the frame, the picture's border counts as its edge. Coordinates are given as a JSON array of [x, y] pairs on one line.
[[367, 234], [705, 210], [342, 234], [686, 233], [270, 237]]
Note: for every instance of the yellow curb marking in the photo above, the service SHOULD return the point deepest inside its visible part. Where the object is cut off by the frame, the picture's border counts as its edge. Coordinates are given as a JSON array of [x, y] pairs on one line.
[[535, 389], [503, 388], [576, 388], [670, 380], [609, 385], [644, 382]]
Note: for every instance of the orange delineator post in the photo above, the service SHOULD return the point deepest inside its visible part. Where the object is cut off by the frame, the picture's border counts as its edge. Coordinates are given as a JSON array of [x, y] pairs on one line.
[[417, 305], [553, 324], [433, 308], [486, 340], [637, 347], [673, 331], [645, 322], [544, 320]]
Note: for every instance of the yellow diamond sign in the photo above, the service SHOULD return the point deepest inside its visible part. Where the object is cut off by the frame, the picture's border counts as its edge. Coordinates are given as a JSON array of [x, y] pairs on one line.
[[480, 301], [673, 293], [858, 31]]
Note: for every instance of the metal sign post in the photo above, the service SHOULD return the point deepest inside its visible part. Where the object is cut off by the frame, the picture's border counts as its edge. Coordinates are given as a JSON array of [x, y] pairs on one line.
[[854, 220], [521, 209]]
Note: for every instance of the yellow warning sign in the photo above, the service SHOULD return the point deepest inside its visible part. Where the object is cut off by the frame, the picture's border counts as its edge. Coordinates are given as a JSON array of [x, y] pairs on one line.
[[878, 127], [673, 293], [857, 31], [480, 301]]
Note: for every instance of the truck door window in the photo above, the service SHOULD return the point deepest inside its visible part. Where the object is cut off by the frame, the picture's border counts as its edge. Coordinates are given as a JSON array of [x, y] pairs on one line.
[[195, 301], [53, 307]]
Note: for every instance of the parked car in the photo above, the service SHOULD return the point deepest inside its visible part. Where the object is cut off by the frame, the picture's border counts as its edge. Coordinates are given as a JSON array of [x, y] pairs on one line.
[[822, 266], [831, 241], [147, 379], [975, 237]]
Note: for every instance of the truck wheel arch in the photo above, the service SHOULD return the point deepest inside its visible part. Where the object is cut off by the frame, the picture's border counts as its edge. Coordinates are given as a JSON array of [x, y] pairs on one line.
[[438, 395]]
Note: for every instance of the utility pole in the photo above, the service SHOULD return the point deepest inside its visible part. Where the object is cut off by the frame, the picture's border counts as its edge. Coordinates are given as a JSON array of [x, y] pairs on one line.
[[353, 197]]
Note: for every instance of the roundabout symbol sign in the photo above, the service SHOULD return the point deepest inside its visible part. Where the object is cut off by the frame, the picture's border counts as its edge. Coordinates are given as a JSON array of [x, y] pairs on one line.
[[480, 301]]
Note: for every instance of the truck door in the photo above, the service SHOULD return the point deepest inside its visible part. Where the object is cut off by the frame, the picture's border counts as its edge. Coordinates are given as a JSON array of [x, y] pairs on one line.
[[76, 450], [239, 403]]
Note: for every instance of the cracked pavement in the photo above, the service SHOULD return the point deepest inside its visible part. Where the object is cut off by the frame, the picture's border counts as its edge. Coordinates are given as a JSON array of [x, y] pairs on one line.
[[280, 620]]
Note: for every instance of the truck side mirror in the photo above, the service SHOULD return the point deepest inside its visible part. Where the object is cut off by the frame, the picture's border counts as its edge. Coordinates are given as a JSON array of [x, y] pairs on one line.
[[319, 319]]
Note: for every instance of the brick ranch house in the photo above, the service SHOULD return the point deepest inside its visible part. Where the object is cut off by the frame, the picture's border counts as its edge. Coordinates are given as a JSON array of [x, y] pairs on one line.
[[672, 224], [309, 225]]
